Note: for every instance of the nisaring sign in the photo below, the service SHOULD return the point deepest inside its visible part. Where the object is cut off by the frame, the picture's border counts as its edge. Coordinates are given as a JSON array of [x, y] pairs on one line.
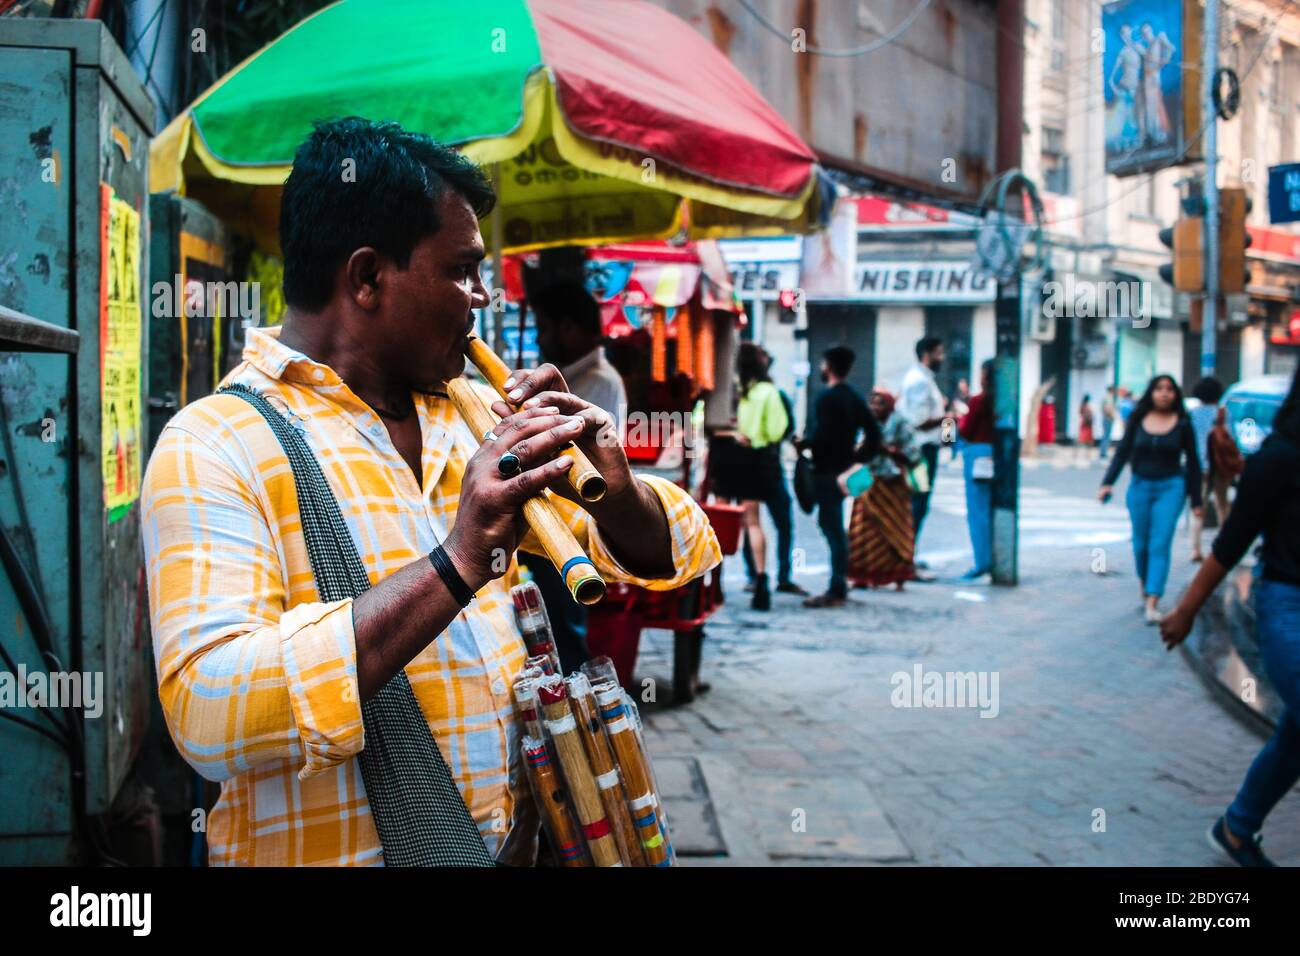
[[929, 281]]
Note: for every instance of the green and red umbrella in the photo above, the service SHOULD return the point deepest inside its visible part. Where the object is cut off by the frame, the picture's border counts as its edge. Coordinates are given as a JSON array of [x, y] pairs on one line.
[[605, 121]]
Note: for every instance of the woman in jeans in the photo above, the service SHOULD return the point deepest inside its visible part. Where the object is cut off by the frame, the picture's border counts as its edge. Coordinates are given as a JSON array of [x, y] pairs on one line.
[[1268, 502], [1160, 445], [976, 430]]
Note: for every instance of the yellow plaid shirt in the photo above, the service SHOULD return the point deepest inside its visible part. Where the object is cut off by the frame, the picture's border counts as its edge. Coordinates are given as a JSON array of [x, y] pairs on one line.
[[257, 676]]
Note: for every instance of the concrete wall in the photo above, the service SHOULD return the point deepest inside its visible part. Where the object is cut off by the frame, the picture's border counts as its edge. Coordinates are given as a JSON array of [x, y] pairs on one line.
[[938, 128]]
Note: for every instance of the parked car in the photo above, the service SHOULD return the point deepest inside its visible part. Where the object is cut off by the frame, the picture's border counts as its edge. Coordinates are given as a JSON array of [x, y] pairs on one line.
[[1252, 405]]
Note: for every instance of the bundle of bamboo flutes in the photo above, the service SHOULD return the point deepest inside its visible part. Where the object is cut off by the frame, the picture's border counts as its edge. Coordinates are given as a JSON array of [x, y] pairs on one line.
[[587, 765]]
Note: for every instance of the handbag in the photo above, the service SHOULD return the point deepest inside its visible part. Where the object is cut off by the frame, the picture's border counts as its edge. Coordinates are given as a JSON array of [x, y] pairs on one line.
[[418, 811], [805, 484], [854, 480]]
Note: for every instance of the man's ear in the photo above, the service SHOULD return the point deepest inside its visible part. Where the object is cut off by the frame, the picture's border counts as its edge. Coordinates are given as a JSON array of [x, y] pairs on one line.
[[363, 274]]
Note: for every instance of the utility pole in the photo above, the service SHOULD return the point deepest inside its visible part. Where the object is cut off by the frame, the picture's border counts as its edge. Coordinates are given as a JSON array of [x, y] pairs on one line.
[[1000, 249], [1005, 521], [1210, 65]]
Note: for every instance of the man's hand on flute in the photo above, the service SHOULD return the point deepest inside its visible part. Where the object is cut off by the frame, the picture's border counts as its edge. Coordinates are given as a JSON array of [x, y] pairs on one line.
[[400, 615], [630, 518]]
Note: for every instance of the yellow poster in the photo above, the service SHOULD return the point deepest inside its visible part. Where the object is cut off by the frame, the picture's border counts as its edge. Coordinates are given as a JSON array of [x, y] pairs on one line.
[[119, 344]]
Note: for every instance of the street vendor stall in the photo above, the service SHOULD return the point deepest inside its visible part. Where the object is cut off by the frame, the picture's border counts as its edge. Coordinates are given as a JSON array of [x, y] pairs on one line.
[[669, 314], [603, 122]]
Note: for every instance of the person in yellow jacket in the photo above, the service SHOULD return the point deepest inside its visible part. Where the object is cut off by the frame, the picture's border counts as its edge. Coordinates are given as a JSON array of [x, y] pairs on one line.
[[747, 458]]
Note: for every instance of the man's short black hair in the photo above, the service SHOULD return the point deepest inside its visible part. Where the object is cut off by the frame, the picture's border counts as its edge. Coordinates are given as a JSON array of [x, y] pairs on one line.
[[357, 182], [839, 359], [568, 301], [1209, 390], [927, 344]]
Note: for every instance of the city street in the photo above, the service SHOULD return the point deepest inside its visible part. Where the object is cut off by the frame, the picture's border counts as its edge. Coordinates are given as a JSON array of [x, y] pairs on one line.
[[1096, 725]]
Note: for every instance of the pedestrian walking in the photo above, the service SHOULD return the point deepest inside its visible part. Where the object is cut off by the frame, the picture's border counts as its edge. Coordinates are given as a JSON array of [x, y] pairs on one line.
[[881, 539], [1226, 463], [780, 507], [1268, 503], [1086, 438], [1125, 405], [1160, 446], [924, 406], [747, 463], [1208, 392], [839, 416], [976, 429], [1108, 415]]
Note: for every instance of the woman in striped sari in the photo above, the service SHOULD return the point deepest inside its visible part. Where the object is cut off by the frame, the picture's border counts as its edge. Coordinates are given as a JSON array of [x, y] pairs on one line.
[[881, 541]]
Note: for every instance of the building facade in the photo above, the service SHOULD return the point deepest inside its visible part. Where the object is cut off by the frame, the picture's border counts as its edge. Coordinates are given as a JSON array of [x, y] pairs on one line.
[[1105, 228]]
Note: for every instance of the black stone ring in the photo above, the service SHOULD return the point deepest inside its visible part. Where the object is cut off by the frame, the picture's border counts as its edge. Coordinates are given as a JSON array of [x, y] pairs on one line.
[[509, 465]]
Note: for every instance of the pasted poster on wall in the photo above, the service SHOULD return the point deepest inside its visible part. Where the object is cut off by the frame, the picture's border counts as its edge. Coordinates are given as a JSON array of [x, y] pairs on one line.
[[119, 354]]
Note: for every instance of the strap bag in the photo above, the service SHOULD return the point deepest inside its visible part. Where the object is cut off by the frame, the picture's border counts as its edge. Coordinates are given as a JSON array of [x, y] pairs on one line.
[[418, 811], [805, 484]]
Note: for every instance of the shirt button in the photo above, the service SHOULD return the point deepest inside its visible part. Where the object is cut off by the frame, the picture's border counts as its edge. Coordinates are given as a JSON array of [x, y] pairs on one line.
[[376, 430], [498, 686], [318, 375]]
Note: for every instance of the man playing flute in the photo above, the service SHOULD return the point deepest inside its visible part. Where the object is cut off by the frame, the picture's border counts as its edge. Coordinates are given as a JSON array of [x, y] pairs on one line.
[[261, 681]]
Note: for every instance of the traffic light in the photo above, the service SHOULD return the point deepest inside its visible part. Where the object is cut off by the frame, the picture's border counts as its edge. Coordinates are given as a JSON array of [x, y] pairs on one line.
[[1234, 238], [1186, 273]]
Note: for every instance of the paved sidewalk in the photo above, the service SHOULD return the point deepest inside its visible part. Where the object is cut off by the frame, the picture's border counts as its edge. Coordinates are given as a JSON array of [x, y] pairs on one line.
[[806, 760]]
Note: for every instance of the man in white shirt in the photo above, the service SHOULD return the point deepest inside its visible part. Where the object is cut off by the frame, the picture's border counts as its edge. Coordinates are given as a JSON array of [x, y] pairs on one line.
[[922, 403], [568, 336]]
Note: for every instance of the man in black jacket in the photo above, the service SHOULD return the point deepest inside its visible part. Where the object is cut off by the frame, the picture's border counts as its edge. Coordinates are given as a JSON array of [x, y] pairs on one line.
[[839, 416]]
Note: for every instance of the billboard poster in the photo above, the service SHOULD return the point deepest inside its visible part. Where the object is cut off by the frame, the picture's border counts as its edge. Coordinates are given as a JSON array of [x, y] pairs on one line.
[[1150, 98]]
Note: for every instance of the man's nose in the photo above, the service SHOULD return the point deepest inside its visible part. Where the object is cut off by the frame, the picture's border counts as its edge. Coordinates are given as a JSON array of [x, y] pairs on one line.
[[479, 295]]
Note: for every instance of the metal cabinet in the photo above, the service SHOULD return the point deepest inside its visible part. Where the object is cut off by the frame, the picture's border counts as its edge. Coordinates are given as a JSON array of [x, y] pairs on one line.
[[74, 118]]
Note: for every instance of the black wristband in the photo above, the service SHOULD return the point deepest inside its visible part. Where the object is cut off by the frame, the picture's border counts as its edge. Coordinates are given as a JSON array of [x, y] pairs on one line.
[[450, 576]]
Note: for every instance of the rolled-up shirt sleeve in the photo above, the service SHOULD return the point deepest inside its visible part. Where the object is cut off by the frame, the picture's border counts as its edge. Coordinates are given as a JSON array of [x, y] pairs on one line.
[[243, 679], [695, 547]]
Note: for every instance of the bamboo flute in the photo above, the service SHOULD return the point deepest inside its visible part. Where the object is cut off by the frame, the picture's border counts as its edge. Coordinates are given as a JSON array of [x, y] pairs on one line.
[[548, 791], [642, 801], [581, 782], [583, 476], [580, 575], [608, 781]]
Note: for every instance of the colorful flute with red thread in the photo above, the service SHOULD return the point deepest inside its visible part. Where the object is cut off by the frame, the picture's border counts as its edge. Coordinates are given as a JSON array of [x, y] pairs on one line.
[[581, 782], [543, 663], [526, 705], [608, 781], [534, 623], [548, 792], [632, 764]]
